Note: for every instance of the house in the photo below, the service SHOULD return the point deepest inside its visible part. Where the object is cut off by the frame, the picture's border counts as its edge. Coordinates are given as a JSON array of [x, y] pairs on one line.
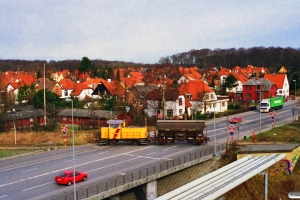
[[282, 70], [166, 102], [25, 118], [256, 86], [39, 84], [58, 76], [281, 82], [82, 91], [67, 87], [201, 97], [84, 118], [237, 91]]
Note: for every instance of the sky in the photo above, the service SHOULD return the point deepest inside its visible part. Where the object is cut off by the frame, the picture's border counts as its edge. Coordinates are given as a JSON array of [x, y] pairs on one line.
[[142, 31]]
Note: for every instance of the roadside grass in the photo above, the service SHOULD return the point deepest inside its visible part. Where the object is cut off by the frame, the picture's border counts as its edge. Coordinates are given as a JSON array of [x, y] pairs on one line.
[[28, 142], [278, 186]]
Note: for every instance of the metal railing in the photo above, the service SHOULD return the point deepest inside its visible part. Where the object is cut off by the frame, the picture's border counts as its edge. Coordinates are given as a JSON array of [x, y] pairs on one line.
[[138, 174]]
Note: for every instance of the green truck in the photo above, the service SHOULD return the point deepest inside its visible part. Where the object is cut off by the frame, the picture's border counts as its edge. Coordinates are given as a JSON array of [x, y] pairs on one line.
[[274, 103]]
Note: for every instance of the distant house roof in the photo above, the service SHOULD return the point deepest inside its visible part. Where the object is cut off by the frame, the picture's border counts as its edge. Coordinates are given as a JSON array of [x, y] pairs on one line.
[[93, 114], [261, 81], [170, 94], [278, 79], [197, 89]]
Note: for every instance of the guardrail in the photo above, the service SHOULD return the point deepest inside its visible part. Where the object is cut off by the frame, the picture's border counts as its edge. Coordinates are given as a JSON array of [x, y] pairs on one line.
[[138, 174], [9, 151]]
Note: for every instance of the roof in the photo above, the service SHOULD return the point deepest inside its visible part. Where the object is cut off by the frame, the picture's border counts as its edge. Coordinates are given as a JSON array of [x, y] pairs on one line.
[[268, 148], [278, 79], [171, 94], [84, 113], [261, 81], [196, 88], [24, 114]]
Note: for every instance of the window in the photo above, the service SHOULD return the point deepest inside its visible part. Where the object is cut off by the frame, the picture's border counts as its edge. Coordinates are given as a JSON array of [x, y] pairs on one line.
[[169, 113], [180, 111], [66, 92], [31, 119], [78, 119], [64, 119], [248, 95], [212, 96], [56, 90], [180, 101], [223, 104]]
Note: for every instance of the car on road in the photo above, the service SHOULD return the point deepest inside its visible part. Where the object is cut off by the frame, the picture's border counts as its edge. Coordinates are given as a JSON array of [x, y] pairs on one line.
[[236, 120], [66, 177]]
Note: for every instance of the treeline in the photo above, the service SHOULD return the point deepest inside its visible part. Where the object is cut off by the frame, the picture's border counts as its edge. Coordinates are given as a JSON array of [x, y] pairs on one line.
[[272, 58]]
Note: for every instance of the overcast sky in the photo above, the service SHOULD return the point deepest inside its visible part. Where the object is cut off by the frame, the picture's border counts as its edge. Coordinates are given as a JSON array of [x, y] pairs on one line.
[[142, 31]]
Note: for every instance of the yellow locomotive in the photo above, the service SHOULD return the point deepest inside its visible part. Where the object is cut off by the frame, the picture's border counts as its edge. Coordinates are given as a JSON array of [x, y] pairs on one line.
[[117, 131]]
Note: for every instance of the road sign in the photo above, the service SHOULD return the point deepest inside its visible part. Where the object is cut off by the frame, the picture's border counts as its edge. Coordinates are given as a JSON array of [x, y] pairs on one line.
[[207, 113], [64, 129], [273, 114], [231, 128]]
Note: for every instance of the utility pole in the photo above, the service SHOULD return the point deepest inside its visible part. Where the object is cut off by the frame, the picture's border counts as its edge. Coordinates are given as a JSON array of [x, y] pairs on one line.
[[45, 117], [164, 99]]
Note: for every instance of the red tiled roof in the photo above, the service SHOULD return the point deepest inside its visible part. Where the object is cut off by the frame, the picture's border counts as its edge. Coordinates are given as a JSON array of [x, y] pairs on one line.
[[196, 88], [277, 79], [78, 87]]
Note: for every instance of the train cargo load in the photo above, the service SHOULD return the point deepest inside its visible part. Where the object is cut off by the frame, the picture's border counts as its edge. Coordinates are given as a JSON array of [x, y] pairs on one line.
[[116, 131], [181, 130]]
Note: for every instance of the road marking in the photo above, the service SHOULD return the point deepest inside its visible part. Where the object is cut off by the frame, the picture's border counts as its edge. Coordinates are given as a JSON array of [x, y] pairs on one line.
[[3, 196], [170, 148], [37, 186], [29, 170], [102, 152], [151, 153]]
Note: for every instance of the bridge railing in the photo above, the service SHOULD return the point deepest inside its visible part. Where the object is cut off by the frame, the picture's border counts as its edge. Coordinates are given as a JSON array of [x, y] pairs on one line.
[[139, 174]]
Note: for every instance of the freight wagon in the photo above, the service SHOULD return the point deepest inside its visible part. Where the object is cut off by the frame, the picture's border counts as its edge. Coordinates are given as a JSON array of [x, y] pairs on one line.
[[116, 131], [181, 130]]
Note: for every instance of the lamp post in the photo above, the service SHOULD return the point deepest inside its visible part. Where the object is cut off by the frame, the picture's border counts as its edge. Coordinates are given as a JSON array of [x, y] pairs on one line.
[[259, 106], [71, 100], [295, 89], [215, 140], [127, 108]]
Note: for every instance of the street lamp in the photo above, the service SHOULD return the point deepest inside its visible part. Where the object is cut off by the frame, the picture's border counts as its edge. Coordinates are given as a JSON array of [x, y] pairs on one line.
[[295, 88], [127, 110], [259, 106], [71, 100], [215, 140]]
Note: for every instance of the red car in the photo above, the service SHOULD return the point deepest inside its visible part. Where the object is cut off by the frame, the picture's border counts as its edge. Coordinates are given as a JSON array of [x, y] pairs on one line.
[[236, 120], [66, 177]]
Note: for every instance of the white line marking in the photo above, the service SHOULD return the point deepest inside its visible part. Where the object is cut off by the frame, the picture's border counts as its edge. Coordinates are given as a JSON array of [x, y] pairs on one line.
[[3, 196], [29, 170], [37, 186], [170, 148]]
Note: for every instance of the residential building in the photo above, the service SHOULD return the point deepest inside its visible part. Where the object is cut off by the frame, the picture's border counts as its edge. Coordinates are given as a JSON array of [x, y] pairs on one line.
[[281, 82]]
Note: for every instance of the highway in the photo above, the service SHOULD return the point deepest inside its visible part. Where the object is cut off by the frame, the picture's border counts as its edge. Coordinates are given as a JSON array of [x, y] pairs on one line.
[[32, 176]]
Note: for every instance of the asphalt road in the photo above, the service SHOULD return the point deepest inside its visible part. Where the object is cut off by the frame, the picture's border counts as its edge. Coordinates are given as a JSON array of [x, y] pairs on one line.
[[32, 176]]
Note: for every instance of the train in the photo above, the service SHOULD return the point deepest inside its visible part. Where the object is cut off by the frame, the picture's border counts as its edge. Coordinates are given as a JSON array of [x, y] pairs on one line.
[[168, 131]]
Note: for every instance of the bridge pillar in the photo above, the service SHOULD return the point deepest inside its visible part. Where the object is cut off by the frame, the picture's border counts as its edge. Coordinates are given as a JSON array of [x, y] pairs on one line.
[[115, 197], [151, 190]]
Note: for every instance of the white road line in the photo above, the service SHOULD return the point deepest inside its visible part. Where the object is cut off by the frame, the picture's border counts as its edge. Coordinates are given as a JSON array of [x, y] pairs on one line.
[[3, 196], [151, 153], [148, 157], [37, 186], [169, 148], [29, 170], [102, 152]]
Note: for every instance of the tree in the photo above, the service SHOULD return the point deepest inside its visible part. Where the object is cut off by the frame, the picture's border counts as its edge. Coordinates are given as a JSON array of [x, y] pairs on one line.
[[86, 65], [51, 99], [26, 93], [39, 74], [230, 82]]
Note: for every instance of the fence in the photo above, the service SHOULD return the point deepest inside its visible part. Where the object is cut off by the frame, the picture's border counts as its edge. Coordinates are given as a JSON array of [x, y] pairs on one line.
[[138, 174], [9, 151]]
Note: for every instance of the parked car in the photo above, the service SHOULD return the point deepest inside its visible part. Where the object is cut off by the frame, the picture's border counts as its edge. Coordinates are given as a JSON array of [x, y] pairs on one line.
[[66, 177], [236, 120]]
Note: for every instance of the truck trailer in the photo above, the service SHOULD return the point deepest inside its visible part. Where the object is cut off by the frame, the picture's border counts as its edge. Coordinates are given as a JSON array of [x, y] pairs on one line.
[[271, 104]]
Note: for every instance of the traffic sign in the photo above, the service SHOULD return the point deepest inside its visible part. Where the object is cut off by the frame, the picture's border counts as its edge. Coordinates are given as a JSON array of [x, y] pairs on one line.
[[207, 113], [273, 114], [64, 129]]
